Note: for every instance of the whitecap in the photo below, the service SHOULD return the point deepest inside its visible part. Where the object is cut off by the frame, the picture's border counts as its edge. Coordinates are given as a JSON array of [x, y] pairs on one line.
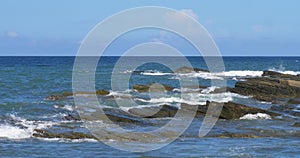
[[209, 89], [13, 132], [65, 107], [256, 116], [195, 99], [288, 72], [22, 128]]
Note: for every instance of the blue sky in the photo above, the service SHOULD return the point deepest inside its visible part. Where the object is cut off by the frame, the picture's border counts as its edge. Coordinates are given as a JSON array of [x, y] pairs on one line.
[[239, 27]]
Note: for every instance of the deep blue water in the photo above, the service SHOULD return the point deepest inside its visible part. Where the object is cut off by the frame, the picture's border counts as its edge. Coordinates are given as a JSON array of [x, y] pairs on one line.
[[25, 82]]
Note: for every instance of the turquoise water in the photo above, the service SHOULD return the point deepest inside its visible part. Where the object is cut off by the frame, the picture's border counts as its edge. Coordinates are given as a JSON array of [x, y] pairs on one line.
[[26, 81]]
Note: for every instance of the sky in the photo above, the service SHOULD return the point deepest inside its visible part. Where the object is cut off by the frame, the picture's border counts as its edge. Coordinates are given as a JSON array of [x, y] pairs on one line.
[[239, 27]]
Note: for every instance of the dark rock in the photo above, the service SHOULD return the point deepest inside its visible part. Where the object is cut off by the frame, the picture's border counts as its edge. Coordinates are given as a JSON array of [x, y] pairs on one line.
[[115, 115], [145, 88], [154, 112], [72, 117], [55, 97], [68, 94], [102, 92], [293, 101], [238, 135], [70, 135], [296, 124], [221, 90], [230, 110], [273, 74], [189, 70], [268, 89]]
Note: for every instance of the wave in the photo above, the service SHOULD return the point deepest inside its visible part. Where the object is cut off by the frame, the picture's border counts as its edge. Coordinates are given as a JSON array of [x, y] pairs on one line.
[[285, 71], [209, 89], [13, 132], [65, 107], [195, 99], [255, 116], [166, 100], [22, 128], [155, 73], [210, 76], [64, 140]]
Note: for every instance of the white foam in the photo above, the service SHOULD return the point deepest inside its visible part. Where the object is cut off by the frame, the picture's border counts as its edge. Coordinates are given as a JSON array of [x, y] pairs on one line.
[[186, 89], [211, 76], [123, 94], [127, 72], [12, 132], [155, 73], [204, 75], [68, 140], [256, 116], [209, 89], [195, 98], [66, 107], [23, 128], [286, 71], [140, 106], [170, 100], [241, 73]]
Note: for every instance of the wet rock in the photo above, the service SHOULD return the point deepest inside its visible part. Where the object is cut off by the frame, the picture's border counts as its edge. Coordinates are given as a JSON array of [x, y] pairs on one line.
[[154, 112], [68, 94], [115, 115], [69, 135], [102, 92], [296, 124], [286, 108], [54, 97], [229, 111], [72, 117], [268, 89], [238, 135], [145, 88], [118, 115], [189, 70], [273, 74], [59, 96], [221, 90], [293, 101]]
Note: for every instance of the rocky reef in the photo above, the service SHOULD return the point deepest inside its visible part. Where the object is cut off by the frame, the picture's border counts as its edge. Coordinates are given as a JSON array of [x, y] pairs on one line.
[[270, 87], [281, 90]]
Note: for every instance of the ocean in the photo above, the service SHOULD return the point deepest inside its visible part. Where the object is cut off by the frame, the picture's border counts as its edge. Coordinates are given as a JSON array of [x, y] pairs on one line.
[[26, 82]]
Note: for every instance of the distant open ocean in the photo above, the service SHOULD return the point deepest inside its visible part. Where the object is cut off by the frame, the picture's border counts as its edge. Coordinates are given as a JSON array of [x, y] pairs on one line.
[[25, 82]]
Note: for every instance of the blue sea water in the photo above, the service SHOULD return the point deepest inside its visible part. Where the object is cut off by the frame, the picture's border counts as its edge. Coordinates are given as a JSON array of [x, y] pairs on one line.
[[26, 81]]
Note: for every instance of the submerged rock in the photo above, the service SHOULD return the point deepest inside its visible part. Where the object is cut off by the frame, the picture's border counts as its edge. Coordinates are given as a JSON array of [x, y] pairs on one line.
[[296, 124], [69, 135], [68, 94], [238, 135], [189, 70], [145, 88]]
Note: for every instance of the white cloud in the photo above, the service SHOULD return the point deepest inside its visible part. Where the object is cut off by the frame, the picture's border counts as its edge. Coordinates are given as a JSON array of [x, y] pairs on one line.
[[180, 15], [180, 20], [189, 12], [12, 34]]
